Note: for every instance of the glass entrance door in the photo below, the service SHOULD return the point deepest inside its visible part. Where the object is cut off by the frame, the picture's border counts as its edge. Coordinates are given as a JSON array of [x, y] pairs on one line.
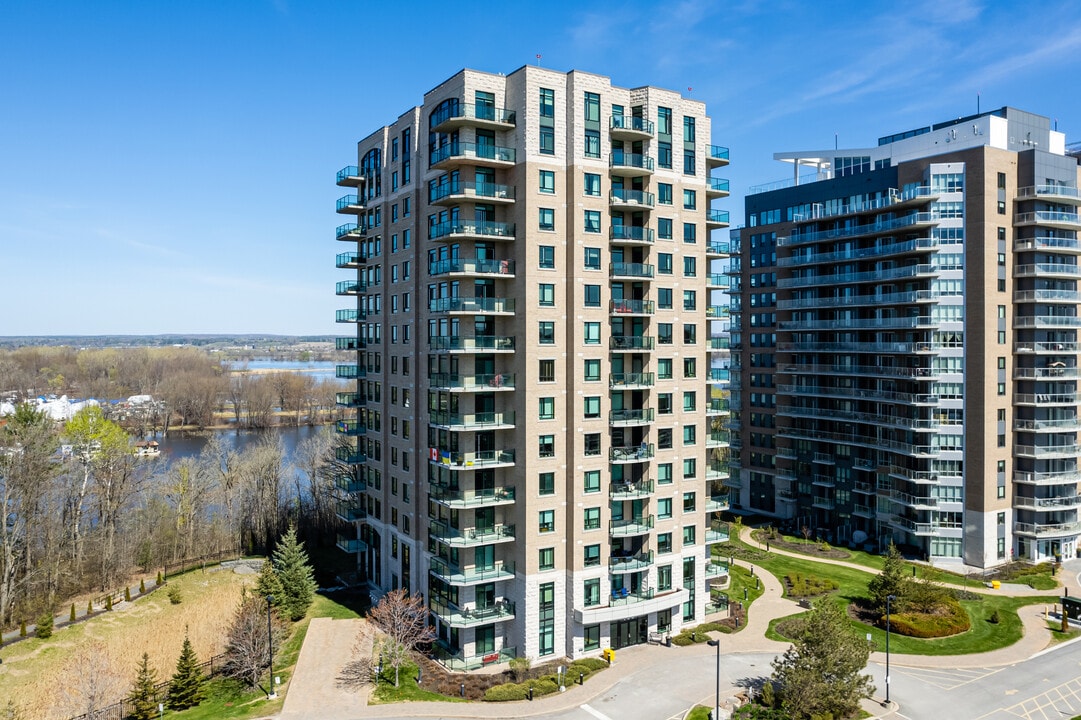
[[630, 632]]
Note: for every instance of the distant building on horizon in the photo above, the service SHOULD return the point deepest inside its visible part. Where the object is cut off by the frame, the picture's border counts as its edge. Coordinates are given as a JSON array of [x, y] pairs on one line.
[[541, 363], [905, 343]]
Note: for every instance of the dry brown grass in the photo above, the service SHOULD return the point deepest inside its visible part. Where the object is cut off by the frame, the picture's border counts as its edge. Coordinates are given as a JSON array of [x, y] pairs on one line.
[[50, 678]]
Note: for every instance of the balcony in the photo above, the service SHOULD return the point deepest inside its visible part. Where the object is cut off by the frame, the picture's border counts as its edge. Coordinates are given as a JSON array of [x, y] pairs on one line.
[[1048, 270], [472, 305], [630, 343], [472, 422], [351, 545], [629, 127], [349, 205], [452, 193], [350, 399], [456, 115], [631, 200], [479, 343], [350, 343], [718, 439], [716, 187], [1048, 218], [457, 617], [716, 569], [917, 502], [1051, 193], [718, 406], [467, 153], [717, 156], [1047, 348], [623, 605], [350, 287], [631, 527], [471, 575], [717, 471], [350, 512], [453, 382], [472, 267], [349, 371], [630, 235], [923, 529], [458, 662], [472, 460], [350, 428], [1063, 425], [350, 232], [1047, 452], [349, 316], [470, 537], [1044, 399], [631, 381], [716, 219], [717, 532], [635, 454], [1046, 479], [719, 249], [1047, 530], [631, 307], [631, 164], [350, 456], [717, 312], [1047, 244], [624, 418], [720, 343], [351, 260], [1049, 504], [349, 484], [630, 491], [718, 281], [624, 564], [349, 176], [717, 503], [461, 499], [630, 271], [471, 230]]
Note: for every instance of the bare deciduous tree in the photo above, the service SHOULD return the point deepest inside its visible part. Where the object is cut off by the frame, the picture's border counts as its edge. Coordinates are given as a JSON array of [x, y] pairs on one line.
[[402, 621], [247, 647]]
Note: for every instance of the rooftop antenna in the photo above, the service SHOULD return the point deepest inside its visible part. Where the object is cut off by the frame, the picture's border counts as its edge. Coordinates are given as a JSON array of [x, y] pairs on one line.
[[977, 103], [834, 141], [538, 59]]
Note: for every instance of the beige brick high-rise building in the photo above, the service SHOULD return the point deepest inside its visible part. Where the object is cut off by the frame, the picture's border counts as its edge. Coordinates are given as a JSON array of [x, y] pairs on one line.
[[539, 433], [905, 340]]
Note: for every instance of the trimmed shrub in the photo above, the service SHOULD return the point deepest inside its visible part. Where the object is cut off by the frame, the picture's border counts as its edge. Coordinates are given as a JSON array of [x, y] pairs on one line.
[[949, 618], [71, 615], [174, 595], [994, 619], [506, 692], [544, 686], [160, 579], [22, 629], [142, 586], [89, 608], [809, 586], [109, 602], [593, 664], [127, 594], [44, 629]]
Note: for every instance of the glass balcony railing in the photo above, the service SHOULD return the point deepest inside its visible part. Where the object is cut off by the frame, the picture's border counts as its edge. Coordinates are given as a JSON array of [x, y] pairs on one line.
[[631, 343], [347, 175], [350, 456], [350, 399], [632, 197], [470, 344], [630, 417], [719, 280], [349, 231], [349, 203], [631, 307], [636, 453], [484, 382], [720, 343], [630, 233], [631, 161], [717, 532], [456, 616], [350, 343], [350, 511], [460, 662], [479, 228], [719, 374], [718, 152], [635, 270], [351, 428], [720, 248], [717, 216], [462, 189], [716, 311], [349, 316], [471, 111], [631, 124], [640, 525], [623, 564], [471, 266], [718, 184], [480, 497], [631, 381], [350, 372], [630, 491], [475, 305], [349, 259], [472, 151], [349, 484], [350, 287], [351, 545], [469, 575], [472, 421], [470, 536], [471, 460]]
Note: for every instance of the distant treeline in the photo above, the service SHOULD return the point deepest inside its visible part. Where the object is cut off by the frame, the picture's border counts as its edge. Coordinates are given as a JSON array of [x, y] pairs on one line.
[[13, 342]]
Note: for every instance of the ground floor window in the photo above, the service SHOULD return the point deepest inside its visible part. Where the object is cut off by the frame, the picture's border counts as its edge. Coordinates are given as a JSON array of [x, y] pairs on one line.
[[946, 547], [593, 637], [485, 639], [664, 621]]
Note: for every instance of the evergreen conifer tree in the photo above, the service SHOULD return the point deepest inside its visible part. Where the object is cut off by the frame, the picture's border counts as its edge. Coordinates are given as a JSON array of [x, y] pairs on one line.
[[269, 584], [143, 706], [892, 581], [142, 586], [186, 686], [109, 602], [89, 608], [295, 573], [127, 594], [71, 615]]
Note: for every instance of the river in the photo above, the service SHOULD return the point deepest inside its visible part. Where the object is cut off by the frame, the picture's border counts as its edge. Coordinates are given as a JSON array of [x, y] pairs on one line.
[[179, 445]]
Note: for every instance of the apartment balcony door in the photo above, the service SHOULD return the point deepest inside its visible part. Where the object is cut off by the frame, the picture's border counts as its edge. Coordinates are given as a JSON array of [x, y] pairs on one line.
[[634, 631]]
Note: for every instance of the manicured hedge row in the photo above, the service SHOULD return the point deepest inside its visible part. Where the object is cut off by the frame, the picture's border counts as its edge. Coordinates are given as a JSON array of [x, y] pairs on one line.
[[949, 619]]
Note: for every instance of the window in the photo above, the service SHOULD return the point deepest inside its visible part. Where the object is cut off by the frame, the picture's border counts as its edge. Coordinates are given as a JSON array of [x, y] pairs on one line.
[[690, 468], [546, 218], [664, 263], [547, 558], [546, 521], [592, 481], [547, 408], [690, 367], [664, 368], [664, 439], [592, 184], [690, 300], [593, 144], [690, 266], [547, 371], [592, 637], [547, 332], [664, 403], [547, 140], [664, 298], [664, 508], [592, 407], [664, 543], [592, 370], [664, 193], [690, 334], [547, 103], [592, 221], [688, 502], [664, 577], [547, 614], [690, 233], [1002, 388], [592, 296], [592, 555], [547, 257], [664, 333], [592, 591], [547, 483], [546, 445], [664, 155], [592, 333], [664, 474], [547, 181], [690, 199], [547, 295], [592, 107], [592, 519], [592, 257], [690, 401], [688, 534]]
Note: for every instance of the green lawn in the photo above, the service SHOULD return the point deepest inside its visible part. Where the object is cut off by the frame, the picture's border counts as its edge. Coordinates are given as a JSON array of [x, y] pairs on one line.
[[742, 580], [698, 712], [407, 690]]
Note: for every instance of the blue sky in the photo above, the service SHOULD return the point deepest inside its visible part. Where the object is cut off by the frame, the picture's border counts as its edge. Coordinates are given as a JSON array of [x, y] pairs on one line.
[[169, 166]]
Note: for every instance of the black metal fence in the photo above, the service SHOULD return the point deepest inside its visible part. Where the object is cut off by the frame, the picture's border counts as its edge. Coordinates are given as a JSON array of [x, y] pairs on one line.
[[214, 558], [124, 708]]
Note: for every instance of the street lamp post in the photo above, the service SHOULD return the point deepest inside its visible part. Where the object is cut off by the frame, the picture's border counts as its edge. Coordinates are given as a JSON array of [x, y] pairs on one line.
[[889, 599], [717, 704], [273, 694]]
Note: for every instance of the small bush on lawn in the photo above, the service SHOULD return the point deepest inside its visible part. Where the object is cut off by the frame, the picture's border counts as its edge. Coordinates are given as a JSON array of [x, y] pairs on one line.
[[593, 664], [949, 618], [506, 692], [174, 594], [544, 686], [44, 628], [809, 586]]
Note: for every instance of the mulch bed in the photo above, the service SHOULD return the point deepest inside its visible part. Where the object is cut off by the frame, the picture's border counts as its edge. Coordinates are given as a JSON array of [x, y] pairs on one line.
[[811, 548]]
